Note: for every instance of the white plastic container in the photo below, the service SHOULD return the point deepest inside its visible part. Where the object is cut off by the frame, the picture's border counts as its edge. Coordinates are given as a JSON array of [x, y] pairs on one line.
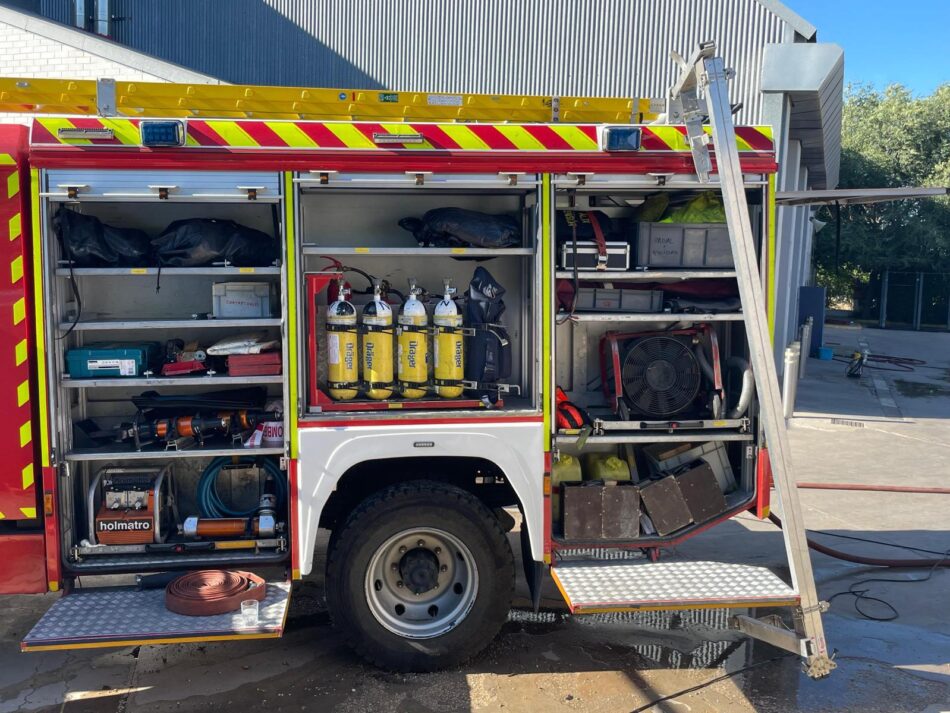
[[242, 300]]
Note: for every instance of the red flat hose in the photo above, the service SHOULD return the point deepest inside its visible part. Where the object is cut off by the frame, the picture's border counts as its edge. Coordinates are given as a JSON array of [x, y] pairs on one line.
[[873, 561], [875, 488], [212, 591]]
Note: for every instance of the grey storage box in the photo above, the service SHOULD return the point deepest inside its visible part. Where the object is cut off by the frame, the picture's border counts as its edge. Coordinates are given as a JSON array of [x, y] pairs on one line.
[[604, 299], [666, 457], [684, 245], [243, 300], [618, 255]]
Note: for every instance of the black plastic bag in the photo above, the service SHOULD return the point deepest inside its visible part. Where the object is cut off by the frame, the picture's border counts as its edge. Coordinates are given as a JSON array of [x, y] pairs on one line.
[[488, 354], [88, 242], [458, 227], [204, 241]]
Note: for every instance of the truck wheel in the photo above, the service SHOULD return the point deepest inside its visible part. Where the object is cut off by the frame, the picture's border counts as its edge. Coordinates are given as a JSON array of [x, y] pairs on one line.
[[420, 578]]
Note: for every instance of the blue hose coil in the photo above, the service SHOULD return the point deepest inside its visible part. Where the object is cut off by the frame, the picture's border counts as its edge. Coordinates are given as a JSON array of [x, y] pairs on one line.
[[210, 503]]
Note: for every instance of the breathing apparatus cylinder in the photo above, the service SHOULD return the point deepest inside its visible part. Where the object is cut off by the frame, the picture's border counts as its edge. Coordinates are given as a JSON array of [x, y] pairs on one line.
[[449, 349], [342, 347], [413, 345], [378, 347]]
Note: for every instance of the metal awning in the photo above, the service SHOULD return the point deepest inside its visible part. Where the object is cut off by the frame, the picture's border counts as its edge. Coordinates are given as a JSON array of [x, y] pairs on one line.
[[852, 196]]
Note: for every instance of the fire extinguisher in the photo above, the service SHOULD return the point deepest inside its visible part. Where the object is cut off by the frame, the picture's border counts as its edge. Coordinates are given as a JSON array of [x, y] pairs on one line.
[[342, 349], [378, 346], [449, 349], [413, 346]]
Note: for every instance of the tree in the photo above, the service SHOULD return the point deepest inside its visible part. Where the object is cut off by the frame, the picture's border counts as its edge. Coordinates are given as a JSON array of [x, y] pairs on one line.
[[890, 138]]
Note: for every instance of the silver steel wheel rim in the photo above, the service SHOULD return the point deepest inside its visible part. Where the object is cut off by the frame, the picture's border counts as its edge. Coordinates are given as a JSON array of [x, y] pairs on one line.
[[401, 566]]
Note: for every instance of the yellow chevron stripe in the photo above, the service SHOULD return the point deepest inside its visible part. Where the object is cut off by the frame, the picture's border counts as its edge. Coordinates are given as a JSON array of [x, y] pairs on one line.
[[463, 136], [20, 352], [575, 137], [27, 476], [671, 137], [13, 184], [351, 136], [15, 227], [742, 144], [124, 130], [16, 270], [520, 137], [26, 434], [403, 129], [29, 512], [232, 133], [766, 131], [54, 124], [291, 134], [22, 393], [19, 310], [6, 160]]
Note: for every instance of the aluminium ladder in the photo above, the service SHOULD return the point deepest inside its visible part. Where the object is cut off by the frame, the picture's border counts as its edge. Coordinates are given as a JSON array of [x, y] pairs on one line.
[[701, 90]]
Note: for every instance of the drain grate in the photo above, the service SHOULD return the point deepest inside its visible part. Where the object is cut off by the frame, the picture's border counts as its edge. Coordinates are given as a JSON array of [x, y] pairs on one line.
[[846, 422]]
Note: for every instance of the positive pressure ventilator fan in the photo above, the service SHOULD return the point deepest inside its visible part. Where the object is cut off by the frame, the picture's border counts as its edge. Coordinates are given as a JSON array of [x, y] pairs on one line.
[[656, 375]]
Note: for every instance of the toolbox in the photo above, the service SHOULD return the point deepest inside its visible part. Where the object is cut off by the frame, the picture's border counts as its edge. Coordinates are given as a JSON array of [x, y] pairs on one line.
[[112, 359], [242, 300], [263, 364], [684, 245], [618, 255], [603, 299]]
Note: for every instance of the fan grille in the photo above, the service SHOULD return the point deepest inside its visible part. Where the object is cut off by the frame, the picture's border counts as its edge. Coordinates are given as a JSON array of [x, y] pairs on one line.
[[660, 376]]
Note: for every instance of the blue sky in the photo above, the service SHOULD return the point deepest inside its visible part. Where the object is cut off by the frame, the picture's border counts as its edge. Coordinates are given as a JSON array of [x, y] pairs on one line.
[[886, 42]]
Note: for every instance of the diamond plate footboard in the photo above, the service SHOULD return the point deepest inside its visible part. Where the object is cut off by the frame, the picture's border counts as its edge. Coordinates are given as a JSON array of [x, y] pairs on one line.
[[625, 585], [127, 616]]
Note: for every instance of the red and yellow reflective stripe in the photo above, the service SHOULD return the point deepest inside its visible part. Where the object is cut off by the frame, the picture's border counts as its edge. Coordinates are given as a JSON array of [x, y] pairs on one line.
[[250, 134]]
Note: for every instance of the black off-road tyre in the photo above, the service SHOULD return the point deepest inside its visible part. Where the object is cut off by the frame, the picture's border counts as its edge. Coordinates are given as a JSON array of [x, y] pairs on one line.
[[419, 504]]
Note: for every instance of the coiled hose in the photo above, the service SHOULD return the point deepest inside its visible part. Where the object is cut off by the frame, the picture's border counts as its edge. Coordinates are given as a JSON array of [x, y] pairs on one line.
[[210, 503]]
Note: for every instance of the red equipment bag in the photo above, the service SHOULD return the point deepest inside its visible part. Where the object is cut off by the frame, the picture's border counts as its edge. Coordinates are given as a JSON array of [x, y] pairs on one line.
[[568, 414]]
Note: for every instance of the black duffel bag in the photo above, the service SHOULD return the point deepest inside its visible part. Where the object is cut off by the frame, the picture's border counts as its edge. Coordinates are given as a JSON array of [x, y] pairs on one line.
[[458, 227], [204, 241], [88, 242]]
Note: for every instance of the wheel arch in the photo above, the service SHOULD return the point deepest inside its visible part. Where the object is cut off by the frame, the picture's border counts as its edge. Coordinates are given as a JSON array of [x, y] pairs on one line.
[[338, 465]]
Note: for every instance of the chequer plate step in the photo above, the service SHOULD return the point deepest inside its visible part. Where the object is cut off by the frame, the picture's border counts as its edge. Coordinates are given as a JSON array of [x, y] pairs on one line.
[[593, 586], [121, 616]]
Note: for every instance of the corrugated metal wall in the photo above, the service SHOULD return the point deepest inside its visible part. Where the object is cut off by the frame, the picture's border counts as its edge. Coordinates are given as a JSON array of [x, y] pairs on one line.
[[557, 47]]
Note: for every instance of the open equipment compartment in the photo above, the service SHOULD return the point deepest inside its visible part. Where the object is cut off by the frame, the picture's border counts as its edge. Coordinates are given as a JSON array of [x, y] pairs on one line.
[[655, 359], [352, 220], [132, 497]]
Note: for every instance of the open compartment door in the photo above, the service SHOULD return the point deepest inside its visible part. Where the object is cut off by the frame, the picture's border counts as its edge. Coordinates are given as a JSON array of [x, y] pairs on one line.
[[127, 616]]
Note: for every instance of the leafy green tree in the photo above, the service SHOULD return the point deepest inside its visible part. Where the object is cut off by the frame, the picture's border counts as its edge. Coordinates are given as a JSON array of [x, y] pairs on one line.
[[890, 138]]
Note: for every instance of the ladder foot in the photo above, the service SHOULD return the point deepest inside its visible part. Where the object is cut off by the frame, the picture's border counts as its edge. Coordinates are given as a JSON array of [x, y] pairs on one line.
[[819, 665]]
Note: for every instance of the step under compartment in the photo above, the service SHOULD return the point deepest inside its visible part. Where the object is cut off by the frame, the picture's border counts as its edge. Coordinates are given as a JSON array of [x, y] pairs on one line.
[[127, 616], [592, 586]]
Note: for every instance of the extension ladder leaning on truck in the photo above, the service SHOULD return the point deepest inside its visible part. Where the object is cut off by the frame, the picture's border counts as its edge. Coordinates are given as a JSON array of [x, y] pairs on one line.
[[236, 315]]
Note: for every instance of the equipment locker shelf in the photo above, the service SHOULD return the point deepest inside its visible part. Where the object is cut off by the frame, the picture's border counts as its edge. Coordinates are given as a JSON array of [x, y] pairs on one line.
[[142, 303]]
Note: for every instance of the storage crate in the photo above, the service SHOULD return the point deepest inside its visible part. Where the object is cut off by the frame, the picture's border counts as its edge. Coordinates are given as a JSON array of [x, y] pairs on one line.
[[604, 299], [242, 300], [665, 458], [684, 245], [618, 256]]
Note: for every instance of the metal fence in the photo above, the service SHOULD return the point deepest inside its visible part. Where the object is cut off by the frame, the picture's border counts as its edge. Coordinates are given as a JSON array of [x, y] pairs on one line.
[[914, 300]]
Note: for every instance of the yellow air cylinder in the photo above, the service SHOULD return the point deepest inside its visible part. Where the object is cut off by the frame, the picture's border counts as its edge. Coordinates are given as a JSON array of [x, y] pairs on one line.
[[378, 363], [342, 347], [413, 346], [449, 349]]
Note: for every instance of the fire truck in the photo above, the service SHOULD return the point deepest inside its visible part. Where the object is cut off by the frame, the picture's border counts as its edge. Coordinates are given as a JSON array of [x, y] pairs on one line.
[[235, 316]]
